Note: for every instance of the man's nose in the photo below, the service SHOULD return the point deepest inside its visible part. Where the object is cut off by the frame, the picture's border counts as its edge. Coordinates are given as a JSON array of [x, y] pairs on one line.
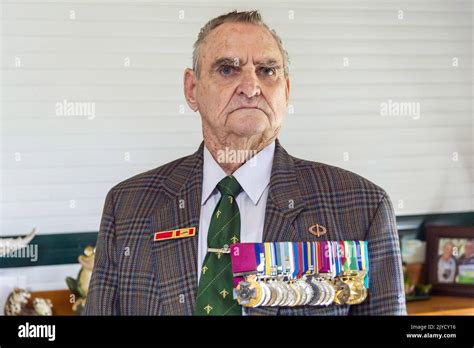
[[249, 84]]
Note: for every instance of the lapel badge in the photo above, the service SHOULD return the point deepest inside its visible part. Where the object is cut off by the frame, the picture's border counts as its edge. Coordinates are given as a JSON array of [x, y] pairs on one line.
[[174, 234], [317, 230]]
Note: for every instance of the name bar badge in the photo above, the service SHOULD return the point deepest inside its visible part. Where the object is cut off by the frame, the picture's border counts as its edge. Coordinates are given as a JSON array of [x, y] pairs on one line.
[[174, 234]]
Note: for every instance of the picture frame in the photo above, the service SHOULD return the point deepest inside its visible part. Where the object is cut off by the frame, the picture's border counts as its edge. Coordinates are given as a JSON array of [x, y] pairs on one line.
[[450, 259]]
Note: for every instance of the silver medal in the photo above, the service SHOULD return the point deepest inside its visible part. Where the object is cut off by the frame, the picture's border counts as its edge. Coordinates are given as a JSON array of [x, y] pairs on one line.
[[265, 295], [308, 290]]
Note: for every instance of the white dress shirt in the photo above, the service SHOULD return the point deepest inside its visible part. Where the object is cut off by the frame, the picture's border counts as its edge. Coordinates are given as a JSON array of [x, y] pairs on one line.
[[254, 177]]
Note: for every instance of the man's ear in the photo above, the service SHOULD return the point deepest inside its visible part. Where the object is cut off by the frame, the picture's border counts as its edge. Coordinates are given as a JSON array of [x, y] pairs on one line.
[[190, 88], [287, 90]]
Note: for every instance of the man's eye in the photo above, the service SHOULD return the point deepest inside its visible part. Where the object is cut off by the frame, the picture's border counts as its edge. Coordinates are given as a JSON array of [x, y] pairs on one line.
[[268, 71], [227, 70]]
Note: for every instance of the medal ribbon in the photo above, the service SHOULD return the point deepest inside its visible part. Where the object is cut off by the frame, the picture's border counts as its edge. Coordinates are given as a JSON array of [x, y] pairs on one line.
[[286, 259], [315, 255], [296, 260], [260, 258], [358, 254], [324, 255], [365, 262], [309, 248], [347, 256], [277, 247], [273, 263], [299, 247], [292, 260], [268, 261]]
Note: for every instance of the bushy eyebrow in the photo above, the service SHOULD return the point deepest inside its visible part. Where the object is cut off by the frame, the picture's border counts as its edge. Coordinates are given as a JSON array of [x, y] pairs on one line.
[[270, 62], [222, 62]]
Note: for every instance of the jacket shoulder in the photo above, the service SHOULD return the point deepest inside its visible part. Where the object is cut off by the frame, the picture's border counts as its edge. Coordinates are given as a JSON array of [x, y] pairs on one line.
[[335, 180], [138, 195], [151, 178]]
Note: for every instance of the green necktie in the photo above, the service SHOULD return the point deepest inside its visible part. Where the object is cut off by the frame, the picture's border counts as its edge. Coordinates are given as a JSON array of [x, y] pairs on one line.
[[216, 284]]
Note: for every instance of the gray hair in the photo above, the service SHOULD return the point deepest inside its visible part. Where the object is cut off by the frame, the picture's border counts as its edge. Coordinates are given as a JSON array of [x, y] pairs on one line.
[[251, 17]]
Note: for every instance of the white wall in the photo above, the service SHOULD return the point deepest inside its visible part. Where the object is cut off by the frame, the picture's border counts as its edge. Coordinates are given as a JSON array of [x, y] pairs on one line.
[[56, 170]]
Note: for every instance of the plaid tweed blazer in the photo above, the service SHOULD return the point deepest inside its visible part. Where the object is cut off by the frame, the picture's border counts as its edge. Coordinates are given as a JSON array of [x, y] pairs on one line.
[[133, 275]]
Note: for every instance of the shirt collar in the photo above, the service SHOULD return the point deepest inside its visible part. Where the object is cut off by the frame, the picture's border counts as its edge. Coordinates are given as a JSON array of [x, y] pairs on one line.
[[259, 166]]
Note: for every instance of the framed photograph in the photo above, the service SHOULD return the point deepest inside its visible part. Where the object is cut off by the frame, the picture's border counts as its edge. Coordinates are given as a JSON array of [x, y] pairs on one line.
[[450, 259]]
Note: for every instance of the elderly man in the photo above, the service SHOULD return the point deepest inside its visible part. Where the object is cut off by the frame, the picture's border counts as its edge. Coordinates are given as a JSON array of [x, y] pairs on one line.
[[156, 249]]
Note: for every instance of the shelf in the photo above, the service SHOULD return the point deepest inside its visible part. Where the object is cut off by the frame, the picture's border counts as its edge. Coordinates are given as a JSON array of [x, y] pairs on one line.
[[59, 298], [442, 305]]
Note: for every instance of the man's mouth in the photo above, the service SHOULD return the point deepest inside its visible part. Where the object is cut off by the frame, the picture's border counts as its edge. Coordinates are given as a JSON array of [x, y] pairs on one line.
[[249, 107]]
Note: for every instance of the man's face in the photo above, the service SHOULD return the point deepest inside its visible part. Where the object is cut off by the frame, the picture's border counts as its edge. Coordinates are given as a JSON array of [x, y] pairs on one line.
[[242, 90], [469, 249]]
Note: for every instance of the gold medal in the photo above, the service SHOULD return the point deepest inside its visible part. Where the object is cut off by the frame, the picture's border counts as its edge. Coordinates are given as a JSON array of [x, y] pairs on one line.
[[358, 292], [249, 292], [355, 281], [258, 292], [342, 291]]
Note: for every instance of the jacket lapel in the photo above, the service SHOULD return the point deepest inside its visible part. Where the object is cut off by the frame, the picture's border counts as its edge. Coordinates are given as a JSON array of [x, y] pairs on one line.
[[175, 260], [284, 203], [284, 199]]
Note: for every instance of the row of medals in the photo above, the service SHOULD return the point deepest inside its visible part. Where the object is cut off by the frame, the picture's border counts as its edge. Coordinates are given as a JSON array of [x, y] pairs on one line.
[[312, 290]]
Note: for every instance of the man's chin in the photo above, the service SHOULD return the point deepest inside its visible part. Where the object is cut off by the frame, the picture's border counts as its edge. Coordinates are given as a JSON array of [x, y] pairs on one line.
[[245, 133], [247, 128]]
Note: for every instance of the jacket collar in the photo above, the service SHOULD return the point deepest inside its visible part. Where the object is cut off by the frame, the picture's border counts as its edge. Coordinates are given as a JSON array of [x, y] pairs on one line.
[[284, 190]]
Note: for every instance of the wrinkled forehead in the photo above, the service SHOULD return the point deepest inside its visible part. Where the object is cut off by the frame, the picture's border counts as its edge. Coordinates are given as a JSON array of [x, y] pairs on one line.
[[240, 41]]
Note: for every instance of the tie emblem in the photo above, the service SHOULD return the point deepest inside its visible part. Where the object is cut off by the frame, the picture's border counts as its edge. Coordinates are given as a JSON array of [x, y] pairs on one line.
[[208, 309], [224, 293]]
